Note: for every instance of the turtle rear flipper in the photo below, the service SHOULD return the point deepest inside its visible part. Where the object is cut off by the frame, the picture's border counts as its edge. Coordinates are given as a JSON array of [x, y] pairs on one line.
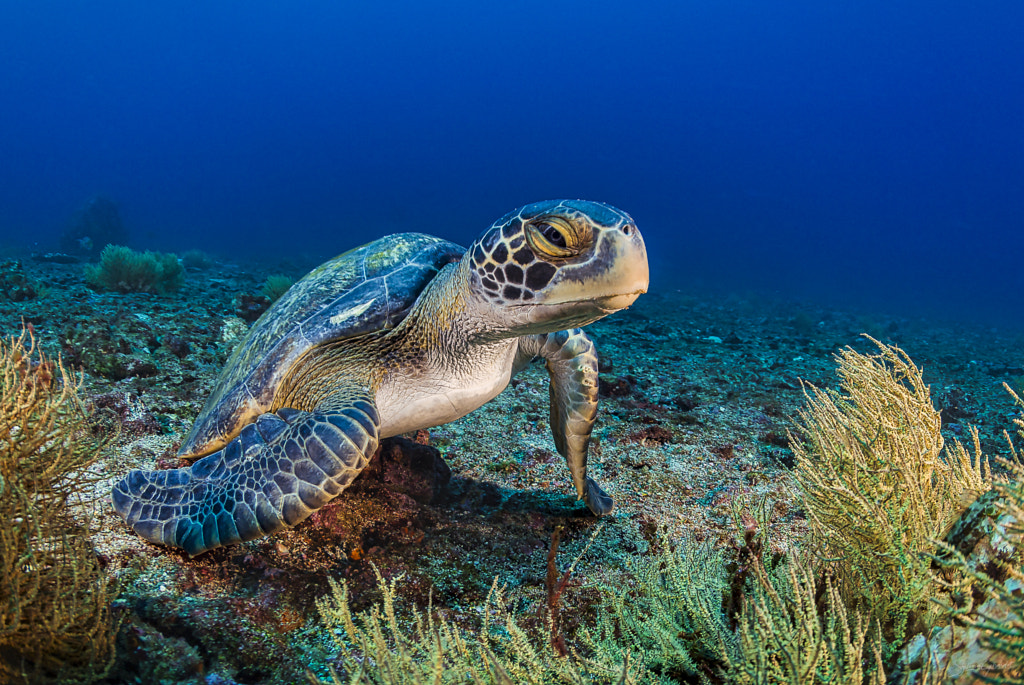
[[277, 472]]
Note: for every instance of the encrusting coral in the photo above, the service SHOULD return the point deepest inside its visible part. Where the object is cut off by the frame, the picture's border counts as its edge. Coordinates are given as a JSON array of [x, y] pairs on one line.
[[55, 623]]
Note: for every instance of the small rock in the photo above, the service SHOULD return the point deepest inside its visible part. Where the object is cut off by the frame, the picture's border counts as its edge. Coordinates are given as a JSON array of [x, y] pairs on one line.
[[408, 467], [958, 651], [176, 345], [620, 387], [685, 403]]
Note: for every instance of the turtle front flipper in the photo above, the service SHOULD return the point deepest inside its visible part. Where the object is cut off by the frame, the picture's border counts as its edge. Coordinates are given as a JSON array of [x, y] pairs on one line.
[[278, 471], [572, 364]]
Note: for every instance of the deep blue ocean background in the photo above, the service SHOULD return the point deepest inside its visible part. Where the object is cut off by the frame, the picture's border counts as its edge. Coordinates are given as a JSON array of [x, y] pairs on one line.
[[864, 153]]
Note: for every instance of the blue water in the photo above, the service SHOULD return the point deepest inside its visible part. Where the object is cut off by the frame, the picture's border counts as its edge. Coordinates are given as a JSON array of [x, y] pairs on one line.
[[861, 152]]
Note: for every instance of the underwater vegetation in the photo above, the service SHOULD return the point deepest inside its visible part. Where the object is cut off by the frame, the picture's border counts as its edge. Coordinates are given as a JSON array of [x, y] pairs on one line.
[[250, 306], [55, 620], [880, 489], [990, 601], [275, 286], [124, 270]]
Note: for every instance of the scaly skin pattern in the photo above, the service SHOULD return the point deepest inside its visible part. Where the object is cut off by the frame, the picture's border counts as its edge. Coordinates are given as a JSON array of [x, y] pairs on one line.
[[388, 338], [572, 364], [278, 471]]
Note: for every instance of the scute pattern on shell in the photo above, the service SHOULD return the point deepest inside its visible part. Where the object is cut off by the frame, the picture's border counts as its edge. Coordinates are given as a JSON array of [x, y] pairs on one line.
[[367, 289]]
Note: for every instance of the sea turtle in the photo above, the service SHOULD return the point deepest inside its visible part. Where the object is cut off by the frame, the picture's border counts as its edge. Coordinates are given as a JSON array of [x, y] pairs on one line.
[[407, 332]]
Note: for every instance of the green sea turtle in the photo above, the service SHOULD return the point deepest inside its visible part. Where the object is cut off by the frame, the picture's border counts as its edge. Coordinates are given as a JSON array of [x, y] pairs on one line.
[[407, 332]]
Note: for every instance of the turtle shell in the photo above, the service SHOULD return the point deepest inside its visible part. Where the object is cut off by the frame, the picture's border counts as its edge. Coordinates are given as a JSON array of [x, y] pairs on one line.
[[367, 289]]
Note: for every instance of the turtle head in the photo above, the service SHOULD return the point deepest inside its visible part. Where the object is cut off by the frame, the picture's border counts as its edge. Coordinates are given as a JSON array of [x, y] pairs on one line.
[[554, 265]]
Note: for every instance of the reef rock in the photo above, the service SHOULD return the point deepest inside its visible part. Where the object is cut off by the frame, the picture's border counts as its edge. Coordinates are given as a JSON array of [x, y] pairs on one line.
[[411, 468]]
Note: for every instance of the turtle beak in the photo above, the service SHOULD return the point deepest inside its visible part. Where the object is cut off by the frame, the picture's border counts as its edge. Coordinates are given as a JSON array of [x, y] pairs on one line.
[[629, 275], [616, 302]]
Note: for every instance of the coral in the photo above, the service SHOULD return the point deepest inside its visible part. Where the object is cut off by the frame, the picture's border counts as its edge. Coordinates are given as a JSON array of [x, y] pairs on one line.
[[125, 270], [786, 638], [669, 614], [134, 418], [176, 345], [876, 487], [687, 614], [95, 226], [376, 646], [275, 286], [114, 347], [668, 625], [174, 639], [55, 623]]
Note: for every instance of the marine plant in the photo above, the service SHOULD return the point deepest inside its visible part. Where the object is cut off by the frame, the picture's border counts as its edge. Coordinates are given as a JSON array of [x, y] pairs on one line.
[[687, 614], [672, 617], [378, 648], [878, 486], [275, 286], [122, 269], [786, 636], [666, 623], [55, 622]]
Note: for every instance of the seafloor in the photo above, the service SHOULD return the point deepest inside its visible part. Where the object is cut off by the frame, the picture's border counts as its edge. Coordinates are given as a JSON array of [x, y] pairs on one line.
[[697, 393]]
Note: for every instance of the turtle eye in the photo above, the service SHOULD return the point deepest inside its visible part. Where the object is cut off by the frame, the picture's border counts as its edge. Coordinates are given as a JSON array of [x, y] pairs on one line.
[[552, 234], [552, 237]]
